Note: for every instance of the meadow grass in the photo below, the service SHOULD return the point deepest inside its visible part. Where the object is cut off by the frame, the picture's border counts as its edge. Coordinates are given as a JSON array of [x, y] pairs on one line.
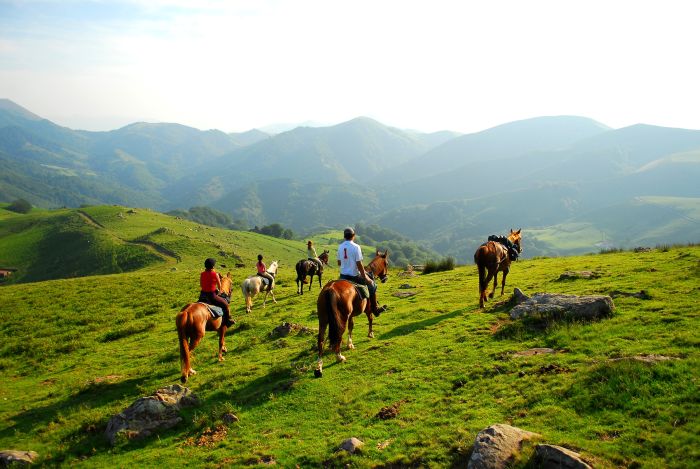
[[74, 352]]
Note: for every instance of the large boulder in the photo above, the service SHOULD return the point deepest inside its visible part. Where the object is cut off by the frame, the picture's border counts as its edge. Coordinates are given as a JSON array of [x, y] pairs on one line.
[[148, 415], [558, 305], [497, 446], [557, 457]]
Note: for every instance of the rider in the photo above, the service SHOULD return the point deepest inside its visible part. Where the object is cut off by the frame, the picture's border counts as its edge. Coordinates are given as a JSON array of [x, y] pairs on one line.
[[351, 268], [210, 284], [262, 271], [313, 257]]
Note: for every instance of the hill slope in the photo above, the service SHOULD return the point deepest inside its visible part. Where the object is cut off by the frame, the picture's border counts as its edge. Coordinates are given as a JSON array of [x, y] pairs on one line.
[[446, 369]]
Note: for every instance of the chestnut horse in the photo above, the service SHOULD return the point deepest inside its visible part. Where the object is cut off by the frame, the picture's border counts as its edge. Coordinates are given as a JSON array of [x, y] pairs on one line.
[[493, 257], [192, 321], [308, 267], [254, 285], [338, 303]]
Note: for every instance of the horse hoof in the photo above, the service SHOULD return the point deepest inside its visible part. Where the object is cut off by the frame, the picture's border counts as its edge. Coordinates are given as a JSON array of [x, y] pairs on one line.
[[192, 372], [341, 358], [318, 373], [221, 358], [224, 349], [371, 335], [351, 347]]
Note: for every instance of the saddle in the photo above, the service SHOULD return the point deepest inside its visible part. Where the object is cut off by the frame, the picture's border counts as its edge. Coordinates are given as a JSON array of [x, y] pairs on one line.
[[265, 280], [216, 311], [508, 244]]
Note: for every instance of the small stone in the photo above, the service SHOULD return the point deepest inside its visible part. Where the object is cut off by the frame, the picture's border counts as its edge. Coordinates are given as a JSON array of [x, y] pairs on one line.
[[351, 445], [495, 447], [557, 457], [229, 418]]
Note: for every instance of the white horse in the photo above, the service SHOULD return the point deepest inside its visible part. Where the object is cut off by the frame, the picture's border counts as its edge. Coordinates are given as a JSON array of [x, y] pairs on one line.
[[254, 284]]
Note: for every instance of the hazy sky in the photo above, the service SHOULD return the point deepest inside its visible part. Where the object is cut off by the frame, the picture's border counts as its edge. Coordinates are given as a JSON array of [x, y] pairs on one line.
[[426, 65]]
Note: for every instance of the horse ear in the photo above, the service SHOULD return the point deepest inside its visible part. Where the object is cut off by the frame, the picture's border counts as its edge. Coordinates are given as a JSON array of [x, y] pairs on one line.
[[519, 230], [228, 274]]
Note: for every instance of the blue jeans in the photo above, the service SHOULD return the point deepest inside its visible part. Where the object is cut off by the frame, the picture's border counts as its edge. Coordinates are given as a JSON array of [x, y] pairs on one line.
[[357, 279]]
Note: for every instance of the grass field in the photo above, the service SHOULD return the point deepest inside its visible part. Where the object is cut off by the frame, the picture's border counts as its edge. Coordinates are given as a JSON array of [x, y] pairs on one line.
[[76, 351]]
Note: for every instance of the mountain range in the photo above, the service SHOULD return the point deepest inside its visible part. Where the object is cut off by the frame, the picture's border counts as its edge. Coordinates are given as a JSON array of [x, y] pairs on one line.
[[572, 184]]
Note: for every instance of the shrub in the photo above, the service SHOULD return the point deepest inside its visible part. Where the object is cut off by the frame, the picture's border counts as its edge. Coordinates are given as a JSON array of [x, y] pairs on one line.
[[20, 206], [431, 266]]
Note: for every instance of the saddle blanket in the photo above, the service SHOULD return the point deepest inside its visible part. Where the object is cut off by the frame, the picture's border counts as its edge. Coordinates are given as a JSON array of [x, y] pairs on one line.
[[216, 311], [265, 280], [362, 290]]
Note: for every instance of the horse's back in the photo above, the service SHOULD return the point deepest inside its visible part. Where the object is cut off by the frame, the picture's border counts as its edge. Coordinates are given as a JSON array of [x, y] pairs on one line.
[[489, 253]]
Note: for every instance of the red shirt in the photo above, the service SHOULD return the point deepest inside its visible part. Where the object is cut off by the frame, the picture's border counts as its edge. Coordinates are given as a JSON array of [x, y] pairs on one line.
[[261, 267], [209, 280]]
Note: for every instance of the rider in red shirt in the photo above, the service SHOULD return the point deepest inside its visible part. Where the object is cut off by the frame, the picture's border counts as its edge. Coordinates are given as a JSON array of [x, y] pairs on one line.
[[210, 285], [262, 271]]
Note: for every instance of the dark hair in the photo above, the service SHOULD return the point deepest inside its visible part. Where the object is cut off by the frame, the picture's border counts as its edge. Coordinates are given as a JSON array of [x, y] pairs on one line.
[[309, 243], [259, 257], [348, 233], [209, 263]]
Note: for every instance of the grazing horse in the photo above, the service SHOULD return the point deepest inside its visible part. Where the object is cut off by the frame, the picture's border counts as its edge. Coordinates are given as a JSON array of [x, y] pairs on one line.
[[338, 303], [307, 267], [192, 321], [254, 284], [493, 257]]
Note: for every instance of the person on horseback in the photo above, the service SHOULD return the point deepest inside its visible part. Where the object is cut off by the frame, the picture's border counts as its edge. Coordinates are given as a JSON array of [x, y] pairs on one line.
[[210, 285], [262, 271], [352, 269], [311, 254]]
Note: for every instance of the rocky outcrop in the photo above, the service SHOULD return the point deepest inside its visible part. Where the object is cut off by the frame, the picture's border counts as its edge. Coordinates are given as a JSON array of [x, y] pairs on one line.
[[497, 446], [583, 274], [561, 306], [351, 445], [149, 415], [286, 328], [557, 457]]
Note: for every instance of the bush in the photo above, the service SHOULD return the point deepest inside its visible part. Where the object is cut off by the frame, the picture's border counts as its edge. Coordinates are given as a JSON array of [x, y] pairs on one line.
[[20, 206], [439, 266]]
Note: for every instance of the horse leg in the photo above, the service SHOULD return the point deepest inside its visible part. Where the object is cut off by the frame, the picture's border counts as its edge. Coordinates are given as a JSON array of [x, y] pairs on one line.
[[222, 346], [322, 323], [351, 324], [503, 281], [300, 291], [495, 284], [484, 292], [370, 334], [272, 293], [194, 341]]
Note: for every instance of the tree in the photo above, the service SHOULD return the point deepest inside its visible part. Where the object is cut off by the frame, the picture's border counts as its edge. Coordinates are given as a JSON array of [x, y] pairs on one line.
[[20, 206]]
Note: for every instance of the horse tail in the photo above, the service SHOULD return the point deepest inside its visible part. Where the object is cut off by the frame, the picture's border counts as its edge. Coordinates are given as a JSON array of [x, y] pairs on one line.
[[181, 324], [334, 331], [481, 267]]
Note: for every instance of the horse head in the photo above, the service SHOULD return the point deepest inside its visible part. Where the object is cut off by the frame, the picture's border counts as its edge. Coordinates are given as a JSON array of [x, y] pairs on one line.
[[324, 256], [272, 268], [380, 265], [226, 283], [515, 238]]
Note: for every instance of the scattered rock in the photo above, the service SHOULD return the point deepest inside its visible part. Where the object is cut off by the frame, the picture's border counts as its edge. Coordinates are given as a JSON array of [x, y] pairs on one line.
[[497, 446], [173, 269], [557, 305], [519, 296], [239, 265], [534, 351], [148, 415], [351, 445], [405, 286], [229, 418], [651, 358], [556, 457], [286, 328], [583, 274], [642, 249], [404, 294], [9, 457]]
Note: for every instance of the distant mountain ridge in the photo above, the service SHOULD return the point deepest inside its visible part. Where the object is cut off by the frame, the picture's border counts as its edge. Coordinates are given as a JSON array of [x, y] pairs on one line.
[[446, 190]]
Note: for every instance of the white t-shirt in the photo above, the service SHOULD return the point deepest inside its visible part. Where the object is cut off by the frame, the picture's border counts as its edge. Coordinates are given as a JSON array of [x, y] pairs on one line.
[[348, 254]]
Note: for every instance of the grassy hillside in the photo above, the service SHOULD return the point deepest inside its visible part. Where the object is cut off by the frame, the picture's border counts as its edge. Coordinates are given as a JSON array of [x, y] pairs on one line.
[[77, 351]]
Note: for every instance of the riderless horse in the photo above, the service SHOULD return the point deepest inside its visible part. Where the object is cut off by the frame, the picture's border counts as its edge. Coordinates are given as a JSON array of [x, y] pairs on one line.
[[308, 267], [339, 302], [254, 284], [192, 321], [495, 256]]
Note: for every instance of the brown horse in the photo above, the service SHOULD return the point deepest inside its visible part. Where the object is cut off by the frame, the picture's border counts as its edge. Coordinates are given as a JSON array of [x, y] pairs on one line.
[[308, 267], [192, 321], [338, 303], [493, 257]]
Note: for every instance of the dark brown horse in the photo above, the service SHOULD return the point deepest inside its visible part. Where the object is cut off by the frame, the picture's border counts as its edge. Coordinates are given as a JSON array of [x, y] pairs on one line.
[[308, 267], [338, 303], [192, 321], [493, 257]]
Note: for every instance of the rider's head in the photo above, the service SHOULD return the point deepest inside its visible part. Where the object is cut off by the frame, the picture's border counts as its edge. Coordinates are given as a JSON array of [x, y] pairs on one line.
[[310, 243], [348, 233], [259, 257], [209, 263]]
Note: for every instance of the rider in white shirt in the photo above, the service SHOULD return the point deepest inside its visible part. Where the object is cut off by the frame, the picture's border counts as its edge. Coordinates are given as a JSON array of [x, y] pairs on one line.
[[352, 269]]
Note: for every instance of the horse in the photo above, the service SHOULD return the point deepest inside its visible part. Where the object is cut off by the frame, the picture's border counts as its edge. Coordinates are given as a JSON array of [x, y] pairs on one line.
[[254, 284], [192, 321], [338, 303], [307, 267], [493, 257]]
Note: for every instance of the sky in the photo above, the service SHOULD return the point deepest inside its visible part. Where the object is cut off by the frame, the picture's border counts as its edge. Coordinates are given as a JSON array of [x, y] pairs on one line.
[[428, 65]]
